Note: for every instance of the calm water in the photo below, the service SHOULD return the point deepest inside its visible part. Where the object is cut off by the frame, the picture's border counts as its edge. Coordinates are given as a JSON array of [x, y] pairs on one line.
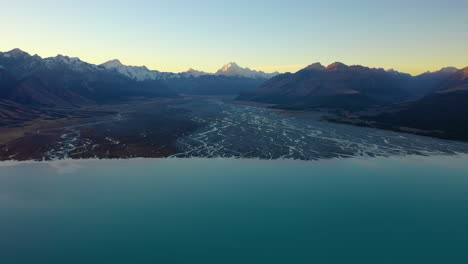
[[378, 210]]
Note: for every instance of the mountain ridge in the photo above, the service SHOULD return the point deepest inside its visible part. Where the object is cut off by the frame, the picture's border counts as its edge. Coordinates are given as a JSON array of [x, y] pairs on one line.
[[71, 80], [317, 86], [233, 69], [441, 113]]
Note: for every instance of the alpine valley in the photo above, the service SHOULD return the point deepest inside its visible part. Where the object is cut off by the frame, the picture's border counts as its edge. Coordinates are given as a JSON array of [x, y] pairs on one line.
[[63, 107]]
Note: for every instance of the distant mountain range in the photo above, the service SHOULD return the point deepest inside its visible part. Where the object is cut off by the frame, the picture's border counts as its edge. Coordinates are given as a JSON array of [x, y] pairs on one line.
[[69, 81], [195, 73], [230, 79], [141, 73], [344, 87], [429, 81], [432, 101], [65, 81], [443, 112], [336, 85], [232, 69]]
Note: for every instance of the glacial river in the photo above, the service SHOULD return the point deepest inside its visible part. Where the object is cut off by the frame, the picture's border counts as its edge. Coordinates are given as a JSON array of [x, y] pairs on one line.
[[232, 130], [212, 128]]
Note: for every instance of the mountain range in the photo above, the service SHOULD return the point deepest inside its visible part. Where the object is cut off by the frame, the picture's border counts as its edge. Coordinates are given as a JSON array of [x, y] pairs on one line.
[[232, 69], [430, 101], [70, 80], [66, 81], [342, 86], [433, 103], [195, 73], [442, 112], [141, 73]]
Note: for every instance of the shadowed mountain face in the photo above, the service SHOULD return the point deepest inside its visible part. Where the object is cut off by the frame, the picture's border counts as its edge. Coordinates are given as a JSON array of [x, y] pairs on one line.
[[230, 79], [458, 81], [443, 112], [62, 80], [433, 103], [12, 113], [65, 81], [139, 73], [7, 83], [232, 69], [429, 82], [34, 91], [335, 86]]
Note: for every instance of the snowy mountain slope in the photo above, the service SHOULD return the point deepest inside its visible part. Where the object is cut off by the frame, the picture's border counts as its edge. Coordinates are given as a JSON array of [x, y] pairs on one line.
[[139, 73], [232, 69]]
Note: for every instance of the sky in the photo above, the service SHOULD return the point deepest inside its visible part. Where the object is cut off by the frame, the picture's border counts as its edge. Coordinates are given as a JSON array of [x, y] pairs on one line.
[[410, 36]]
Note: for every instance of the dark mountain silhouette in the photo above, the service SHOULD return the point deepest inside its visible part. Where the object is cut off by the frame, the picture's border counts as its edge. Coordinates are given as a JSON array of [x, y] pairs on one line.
[[7, 83], [335, 86], [442, 113], [33, 91], [434, 103], [458, 81], [73, 81], [428, 82], [67, 81]]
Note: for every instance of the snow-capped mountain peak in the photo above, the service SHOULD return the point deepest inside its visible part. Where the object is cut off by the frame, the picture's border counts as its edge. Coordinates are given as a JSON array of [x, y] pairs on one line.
[[67, 59], [112, 64], [449, 70], [230, 67], [315, 66], [71, 63], [195, 73], [139, 73], [16, 53], [233, 69]]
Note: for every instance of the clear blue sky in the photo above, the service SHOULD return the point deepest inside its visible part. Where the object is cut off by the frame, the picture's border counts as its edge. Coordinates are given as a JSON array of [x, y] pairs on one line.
[[411, 36]]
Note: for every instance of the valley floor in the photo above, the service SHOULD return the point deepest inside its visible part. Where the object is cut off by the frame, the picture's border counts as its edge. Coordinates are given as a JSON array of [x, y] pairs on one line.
[[393, 125], [197, 126], [141, 128]]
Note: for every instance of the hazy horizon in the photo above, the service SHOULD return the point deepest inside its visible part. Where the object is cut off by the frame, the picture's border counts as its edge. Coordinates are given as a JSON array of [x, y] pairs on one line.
[[173, 36]]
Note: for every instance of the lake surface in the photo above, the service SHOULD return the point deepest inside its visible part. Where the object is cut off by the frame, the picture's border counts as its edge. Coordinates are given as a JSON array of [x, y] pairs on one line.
[[409, 209]]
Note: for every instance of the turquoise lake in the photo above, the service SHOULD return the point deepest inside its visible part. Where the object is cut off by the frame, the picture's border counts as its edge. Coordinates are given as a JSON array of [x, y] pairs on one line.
[[407, 209]]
